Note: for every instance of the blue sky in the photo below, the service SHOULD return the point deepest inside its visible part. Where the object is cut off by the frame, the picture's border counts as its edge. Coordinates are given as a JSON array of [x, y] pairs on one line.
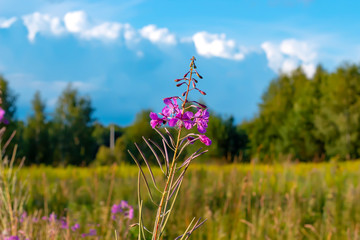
[[126, 54]]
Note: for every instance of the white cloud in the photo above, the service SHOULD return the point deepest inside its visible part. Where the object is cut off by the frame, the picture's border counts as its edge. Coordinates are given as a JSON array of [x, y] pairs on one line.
[[42, 23], [6, 23], [158, 35], [302, 50], [76, 22], [289, 54], [216, 45]]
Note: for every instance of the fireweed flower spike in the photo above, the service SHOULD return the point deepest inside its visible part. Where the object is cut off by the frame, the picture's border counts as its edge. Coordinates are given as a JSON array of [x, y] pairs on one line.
[[176, 114]]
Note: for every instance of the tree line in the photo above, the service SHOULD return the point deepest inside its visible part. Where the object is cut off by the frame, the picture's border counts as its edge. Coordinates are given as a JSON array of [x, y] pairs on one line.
[[71, 135], [299, 119], [308, 119]]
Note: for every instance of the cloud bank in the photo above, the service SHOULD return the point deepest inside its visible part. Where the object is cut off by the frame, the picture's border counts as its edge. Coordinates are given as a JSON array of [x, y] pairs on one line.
[[284, 56], [289, 54], [216, 45]]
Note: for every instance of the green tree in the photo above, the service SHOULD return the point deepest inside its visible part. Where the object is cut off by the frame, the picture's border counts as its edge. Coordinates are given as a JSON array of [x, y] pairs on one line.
[[133, 134], [36, 134], [228, 140], [338, 121], [73, 127]]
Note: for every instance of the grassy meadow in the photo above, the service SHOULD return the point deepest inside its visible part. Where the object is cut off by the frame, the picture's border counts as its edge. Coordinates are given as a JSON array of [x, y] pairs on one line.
[[242, 201]]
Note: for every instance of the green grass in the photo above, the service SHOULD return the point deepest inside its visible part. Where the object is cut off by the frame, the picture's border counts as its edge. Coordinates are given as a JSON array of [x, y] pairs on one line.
[[244, 201]]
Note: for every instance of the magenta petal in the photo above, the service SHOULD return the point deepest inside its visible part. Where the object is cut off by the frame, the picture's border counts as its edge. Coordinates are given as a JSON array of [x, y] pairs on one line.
[[198, 113], [188, 115], [188, 124], [204, 139], [201, 128], [173, 121], [153, 123], [154, 116], [167, 101], [166, 111]]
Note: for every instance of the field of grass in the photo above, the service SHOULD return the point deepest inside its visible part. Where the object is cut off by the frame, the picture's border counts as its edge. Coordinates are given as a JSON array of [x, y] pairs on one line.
[[243, 201]]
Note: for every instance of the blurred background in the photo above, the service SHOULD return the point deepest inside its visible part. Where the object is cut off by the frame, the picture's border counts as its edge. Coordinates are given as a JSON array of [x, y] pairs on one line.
[[280, 75]]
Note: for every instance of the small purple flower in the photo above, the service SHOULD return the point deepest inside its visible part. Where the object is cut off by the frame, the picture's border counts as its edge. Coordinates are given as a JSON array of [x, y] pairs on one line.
[[64, 224], [75, 227], [201, 119], [204, 139], [156, 121], [52, 217], [124, 208], [92, 232], [124, 204], [130, 213], [12, 238], [23, 216]]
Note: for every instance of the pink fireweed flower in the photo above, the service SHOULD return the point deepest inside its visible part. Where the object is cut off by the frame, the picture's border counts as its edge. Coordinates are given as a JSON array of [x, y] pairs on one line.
[[182, 120], [201, 119], [204, 139], [156, 121], [2, 114], [2, 117], [171, 108]]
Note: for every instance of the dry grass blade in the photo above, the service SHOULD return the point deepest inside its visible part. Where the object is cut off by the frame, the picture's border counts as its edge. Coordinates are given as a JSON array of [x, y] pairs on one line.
[[170, 137], [196, 226], [163, 137], [143, 175], [182, 148], [147, 165], [8, 142], [166, 158], [156, 156], [162, 152], [192, 156], [2, 131], [181, 237]]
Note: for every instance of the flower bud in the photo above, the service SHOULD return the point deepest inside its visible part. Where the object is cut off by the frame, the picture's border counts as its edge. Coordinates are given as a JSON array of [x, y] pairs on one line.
[[193, 83], [179, 79], [202, 92], [183, 94], [198, 75], [186, 74], [179, 84]]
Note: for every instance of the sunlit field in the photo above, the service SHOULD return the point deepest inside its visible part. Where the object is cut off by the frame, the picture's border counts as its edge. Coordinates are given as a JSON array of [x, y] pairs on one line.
[[243, 201]]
